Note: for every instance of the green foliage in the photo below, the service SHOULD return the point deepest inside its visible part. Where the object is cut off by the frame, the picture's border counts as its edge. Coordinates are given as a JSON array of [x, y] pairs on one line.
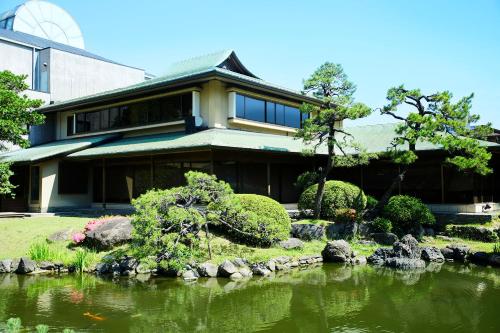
[[496, 248], [478, 233], [436, 119], [14, 325], [84, 258], [270, 224], [40, 251], [371, 202], [381, 224], [41, 328], [407, 214], [330, 84], [346, 215], [337, 195], [16, 115], [306, 179]]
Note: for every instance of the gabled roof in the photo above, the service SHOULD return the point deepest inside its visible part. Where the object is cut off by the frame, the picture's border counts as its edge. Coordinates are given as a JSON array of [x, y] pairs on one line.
[[42, 43], [223, 64], [225, 59]]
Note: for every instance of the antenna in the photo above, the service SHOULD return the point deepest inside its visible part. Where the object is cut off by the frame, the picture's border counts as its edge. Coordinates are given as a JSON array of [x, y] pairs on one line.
[[44, 19]]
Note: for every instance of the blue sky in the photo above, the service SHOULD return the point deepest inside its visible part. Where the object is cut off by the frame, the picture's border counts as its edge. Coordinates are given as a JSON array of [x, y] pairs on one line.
[[432, 45]]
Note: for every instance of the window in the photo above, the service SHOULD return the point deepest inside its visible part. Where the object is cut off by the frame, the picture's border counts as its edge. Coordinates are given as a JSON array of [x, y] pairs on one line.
[[269, 112], [35, 183], [73, 178], [164, 109], [69, 125]]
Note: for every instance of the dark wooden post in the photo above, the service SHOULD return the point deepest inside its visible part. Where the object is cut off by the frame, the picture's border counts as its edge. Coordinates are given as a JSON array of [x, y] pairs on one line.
[[104, 183]]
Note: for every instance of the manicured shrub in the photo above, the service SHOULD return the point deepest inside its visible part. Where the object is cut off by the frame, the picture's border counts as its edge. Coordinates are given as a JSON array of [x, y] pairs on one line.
[[381, 224], [345, 215], [472, 232], [273, 221], [371, 202], [337, 195], [408, 214]]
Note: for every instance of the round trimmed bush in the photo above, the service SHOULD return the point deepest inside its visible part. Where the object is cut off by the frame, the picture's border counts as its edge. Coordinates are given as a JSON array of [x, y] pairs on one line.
[[371, 202], [381, 224], [273, 223], [338, 195], [407, 214]]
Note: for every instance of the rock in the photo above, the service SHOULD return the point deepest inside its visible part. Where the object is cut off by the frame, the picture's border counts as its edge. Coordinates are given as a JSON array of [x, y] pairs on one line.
[[207, 269], [384, 238], [460, 252], [337, 251], [445, 238], [341, 231], [26, 266], [307, 231], [359, 260], [282, 259], [190, 275], [478, 233], [114, 232], [404, 263], [245, 272], [432, 254], [103, 268], [447, 253], [260, 269], [429, 232], [128, 264], [407, 247], [62, 235], [367, 242], [494, 260], [292, 243], [271, 265], [5, 266], [236, 276], [14, 265], [226, 269], [480, 258], [46, 265], [380, 255]]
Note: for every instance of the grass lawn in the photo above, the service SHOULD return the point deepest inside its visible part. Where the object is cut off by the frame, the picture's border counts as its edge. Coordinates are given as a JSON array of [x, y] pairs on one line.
[[474, 245], [17, 234]]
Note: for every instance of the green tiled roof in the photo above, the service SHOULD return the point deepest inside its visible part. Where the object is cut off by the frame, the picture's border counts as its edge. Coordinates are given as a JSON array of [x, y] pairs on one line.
[[195, 68], [52, 149], [212, 138]]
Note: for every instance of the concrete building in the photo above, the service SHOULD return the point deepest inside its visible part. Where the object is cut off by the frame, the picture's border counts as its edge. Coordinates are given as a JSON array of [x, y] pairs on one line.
[[208, 113]]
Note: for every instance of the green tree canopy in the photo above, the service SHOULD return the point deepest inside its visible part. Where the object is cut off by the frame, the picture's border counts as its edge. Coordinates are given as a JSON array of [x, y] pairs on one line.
[[331, 86], [435, 118], [16, 115]]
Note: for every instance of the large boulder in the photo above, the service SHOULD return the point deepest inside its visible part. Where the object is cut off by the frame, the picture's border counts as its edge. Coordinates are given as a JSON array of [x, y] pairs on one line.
[[407, 247], [227, 268], [405, 254], [456, 252], [342, 230], [207, 269], [384, 238], [307, 231], [291, 243], [5, 265], [337, 251], [61, 235], [113, 232], [494, 260], [480, 258], [26, 266], [380, 255], [404, 263], [432, 254]]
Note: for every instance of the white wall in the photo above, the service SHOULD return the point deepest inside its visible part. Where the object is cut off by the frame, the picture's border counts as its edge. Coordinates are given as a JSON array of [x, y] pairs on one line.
[[74, 76], [17, 59]]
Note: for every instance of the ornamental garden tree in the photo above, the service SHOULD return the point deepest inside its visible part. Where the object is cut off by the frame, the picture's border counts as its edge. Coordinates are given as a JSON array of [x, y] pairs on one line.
[[330, 84], [436, 119], [16, 115]]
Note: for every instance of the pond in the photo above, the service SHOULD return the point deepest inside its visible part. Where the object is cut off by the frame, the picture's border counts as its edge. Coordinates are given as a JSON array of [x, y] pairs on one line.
[[328, 298]]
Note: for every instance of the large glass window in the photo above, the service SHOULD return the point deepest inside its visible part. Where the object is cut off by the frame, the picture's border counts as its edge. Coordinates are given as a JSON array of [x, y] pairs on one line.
[[164, 109], [269, 112]]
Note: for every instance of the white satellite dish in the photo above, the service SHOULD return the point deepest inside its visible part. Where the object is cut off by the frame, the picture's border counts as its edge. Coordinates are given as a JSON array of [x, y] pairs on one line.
[[44, 19]]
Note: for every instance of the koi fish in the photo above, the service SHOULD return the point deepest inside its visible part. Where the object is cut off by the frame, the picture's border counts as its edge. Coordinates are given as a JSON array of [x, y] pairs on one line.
[[94, 316]]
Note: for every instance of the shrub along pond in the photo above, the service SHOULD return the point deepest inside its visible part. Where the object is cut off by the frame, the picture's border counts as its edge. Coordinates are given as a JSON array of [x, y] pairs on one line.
[[332, 297]]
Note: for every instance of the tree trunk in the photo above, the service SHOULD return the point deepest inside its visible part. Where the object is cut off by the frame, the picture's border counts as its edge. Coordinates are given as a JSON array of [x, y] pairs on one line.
[[321, 183]]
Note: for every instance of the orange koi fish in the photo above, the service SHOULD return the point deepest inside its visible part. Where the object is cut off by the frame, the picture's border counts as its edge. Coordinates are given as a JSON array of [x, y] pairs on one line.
[[94, 316]]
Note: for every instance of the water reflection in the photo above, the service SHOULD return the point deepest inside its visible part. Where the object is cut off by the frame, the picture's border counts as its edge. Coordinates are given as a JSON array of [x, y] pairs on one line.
[[335, 298]]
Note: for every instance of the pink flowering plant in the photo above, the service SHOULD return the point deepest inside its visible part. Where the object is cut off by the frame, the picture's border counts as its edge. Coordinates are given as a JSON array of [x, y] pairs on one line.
[[79, 237]]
